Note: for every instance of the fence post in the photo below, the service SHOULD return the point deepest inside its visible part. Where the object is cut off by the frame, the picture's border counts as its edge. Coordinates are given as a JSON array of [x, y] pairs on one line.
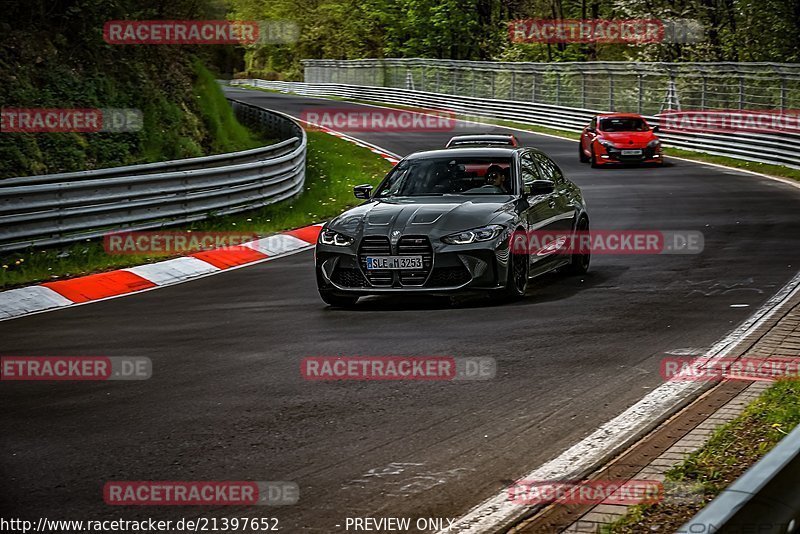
[[783, 92], [512, 91], [533, 87], [473, 82], [558, 89], [703, 91], [438, 72], [741, 91], [494, 78], [610, 91], [641, 93], [583, 89]]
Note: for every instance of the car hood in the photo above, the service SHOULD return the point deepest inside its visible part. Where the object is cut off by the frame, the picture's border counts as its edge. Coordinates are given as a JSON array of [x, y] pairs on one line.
[[431, 216], [634, 139]]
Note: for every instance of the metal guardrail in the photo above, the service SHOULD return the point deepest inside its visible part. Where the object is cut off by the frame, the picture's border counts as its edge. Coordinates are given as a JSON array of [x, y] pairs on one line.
[[766, 499], [640, 87], [778, 149], [62, 208]]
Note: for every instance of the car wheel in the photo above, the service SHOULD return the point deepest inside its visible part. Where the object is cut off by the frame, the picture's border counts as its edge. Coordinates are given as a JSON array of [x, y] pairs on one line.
[[338, 301], [593, 158], [517, 278], [581, 156], [580, 259]]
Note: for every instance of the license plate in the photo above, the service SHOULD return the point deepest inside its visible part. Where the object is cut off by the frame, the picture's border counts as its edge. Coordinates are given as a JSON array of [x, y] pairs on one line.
[[394, 262], [631, 152]]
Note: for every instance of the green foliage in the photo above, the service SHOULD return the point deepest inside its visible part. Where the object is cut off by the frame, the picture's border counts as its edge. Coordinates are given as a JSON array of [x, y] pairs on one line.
[[53, 56], [737, 30]]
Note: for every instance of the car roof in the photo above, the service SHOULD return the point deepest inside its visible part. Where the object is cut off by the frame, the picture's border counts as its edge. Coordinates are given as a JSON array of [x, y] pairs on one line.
[[465, 152]]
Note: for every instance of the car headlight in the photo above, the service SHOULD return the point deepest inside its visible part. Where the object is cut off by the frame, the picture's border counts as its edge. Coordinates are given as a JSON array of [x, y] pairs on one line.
[[485, 233], [607, 144], [655, 143], [329, 237]]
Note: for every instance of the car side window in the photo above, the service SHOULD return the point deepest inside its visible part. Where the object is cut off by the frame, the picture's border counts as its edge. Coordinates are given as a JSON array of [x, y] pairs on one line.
[[593, 124], [549, 170], [530, 171]]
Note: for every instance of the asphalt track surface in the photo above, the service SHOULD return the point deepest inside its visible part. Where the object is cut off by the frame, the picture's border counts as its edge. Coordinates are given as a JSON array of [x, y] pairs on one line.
[[227, 401]]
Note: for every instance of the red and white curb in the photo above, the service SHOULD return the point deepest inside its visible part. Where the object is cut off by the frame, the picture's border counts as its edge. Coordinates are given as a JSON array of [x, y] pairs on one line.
[[62, 293]]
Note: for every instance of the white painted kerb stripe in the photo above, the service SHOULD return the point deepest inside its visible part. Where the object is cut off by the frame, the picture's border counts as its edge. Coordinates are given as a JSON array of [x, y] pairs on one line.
[[173, 271], [28, 300], [275, 245]]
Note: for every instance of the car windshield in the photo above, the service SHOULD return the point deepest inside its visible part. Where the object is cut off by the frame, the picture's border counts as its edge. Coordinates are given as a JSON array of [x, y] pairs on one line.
[[448, 176], [623, 124]]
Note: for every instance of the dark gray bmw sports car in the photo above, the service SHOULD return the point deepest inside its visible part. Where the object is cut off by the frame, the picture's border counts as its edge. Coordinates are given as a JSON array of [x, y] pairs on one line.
[[443, 221]]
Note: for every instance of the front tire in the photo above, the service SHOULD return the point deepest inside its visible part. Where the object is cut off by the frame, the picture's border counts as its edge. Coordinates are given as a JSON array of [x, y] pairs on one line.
[[580, 259], [593, 159], [338, 301], [581, 156], [517, 276]]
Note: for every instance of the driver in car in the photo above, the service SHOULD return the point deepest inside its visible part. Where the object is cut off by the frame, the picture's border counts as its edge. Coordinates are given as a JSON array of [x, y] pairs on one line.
[[496, 178]]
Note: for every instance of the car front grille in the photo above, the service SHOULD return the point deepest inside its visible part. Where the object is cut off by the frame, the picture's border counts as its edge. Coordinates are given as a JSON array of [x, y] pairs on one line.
[[406, 246], [375, 246], [415, 246]]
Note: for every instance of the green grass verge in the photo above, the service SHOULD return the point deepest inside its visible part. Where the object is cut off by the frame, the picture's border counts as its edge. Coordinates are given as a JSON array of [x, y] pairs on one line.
[[227, 134], [730, 451], [764, 168], [334, 166]]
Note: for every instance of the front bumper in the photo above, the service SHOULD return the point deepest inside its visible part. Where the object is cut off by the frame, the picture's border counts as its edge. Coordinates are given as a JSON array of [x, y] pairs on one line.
[[446, 268], [608, 155]]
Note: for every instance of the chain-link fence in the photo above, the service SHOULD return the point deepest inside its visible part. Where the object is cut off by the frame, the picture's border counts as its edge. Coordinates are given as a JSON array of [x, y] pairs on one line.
[[646, 88]]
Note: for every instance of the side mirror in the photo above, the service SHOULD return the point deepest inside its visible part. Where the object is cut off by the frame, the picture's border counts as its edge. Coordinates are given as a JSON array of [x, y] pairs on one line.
[[541, 187], [656, 129], [592, 130], [362, 191]]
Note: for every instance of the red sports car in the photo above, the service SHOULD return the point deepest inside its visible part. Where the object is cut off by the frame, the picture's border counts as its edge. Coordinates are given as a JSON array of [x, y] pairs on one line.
[[619, 138]]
